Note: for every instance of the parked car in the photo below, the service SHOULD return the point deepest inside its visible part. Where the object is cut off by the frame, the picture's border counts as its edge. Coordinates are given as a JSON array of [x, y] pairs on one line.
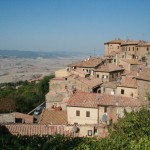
[[38, 111], [43, 105]]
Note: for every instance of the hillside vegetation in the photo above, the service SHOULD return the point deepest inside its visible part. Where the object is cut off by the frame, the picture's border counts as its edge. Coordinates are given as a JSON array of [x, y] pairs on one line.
[[130, 133], [28, 95]]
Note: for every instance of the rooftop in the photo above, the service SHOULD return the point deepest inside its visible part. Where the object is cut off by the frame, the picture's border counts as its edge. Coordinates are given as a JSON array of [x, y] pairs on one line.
[[128, 81], [112, 85], [53, 117], [121, 101], [30, 129], [89, 63], [108, 67], [27, 118], [83, 99], [144, 74], [92, 100], [116, 41], [91, 82]]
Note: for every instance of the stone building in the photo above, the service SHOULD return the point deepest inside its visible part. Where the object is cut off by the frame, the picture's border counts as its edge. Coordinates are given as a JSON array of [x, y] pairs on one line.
[[92, 108], [108, 72], [112, 46], [143, 83], [127, 87]]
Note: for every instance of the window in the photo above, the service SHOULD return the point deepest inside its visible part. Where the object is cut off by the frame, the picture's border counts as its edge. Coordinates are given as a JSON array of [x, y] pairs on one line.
[[114, 60], [87, 113], [147, 48], [97, 75], [133, 48], [118, 47], [137, 49], [122, 91], [112, 75], [77, 113], [105, 109]]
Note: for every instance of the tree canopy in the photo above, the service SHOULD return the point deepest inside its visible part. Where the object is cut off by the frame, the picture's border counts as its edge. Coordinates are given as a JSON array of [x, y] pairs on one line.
[[28, 95]]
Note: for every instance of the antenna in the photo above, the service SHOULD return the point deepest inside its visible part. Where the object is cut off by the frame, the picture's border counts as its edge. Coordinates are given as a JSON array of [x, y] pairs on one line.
[[94, 51]]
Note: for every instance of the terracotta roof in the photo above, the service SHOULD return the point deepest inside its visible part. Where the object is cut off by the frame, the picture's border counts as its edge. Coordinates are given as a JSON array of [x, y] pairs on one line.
[[122, 101], [89, 63], [27, 118], [108, 67], [130, 43], [91, 82], [112, 85], [7, 105], [130, 73], [32, 129], [144, 44], [128, 81], [144, 74], [53, 117], [92, 100], [83, 99], [117, 41]]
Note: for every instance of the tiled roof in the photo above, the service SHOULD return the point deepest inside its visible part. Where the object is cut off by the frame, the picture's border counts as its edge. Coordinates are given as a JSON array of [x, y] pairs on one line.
[[130, 43], [92, 100], [130, 73], [112, 85], [144, 74], [83, 100], [118, 41], [108, 67], [32, 129], [91, 82], [89, 63], [122, 101], [7, 105], [144, 44], [53, 117], [27, 118], [128, 81]]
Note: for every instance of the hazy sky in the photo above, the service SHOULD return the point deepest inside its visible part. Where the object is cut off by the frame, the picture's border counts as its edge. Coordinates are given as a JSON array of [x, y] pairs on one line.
[[72, 25]]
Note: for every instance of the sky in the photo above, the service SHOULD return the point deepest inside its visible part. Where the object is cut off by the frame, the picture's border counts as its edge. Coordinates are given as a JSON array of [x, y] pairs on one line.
[[71, 25]]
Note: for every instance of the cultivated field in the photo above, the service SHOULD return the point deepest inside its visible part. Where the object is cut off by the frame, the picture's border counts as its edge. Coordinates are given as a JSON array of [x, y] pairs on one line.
[[16, 69]]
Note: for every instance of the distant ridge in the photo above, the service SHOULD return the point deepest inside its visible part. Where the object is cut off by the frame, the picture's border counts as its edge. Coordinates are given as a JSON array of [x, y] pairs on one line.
[[36, 54]]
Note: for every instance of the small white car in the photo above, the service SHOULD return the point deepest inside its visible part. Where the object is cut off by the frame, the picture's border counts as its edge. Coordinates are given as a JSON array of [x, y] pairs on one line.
[[38, 111]]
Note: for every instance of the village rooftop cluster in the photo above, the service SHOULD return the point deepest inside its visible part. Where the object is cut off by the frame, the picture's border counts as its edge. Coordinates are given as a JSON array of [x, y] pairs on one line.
[[89, 95]]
